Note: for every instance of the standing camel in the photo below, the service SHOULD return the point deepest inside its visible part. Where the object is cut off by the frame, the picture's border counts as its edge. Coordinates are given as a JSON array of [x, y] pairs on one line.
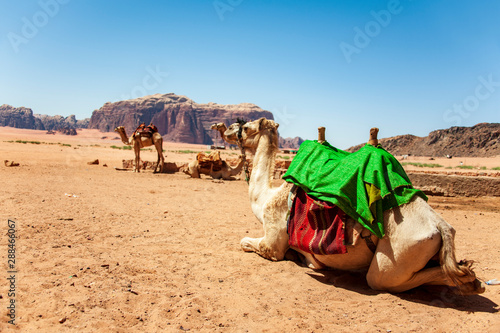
[[140, 141], [414, 232]]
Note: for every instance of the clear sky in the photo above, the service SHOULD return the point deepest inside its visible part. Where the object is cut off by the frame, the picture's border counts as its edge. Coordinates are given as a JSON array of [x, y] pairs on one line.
[[407, 67]]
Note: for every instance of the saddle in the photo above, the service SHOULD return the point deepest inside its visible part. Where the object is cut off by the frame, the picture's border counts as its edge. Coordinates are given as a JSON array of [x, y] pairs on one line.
[[320, 227], [147, 131], [316, 226], [210, 161], [362, 184]]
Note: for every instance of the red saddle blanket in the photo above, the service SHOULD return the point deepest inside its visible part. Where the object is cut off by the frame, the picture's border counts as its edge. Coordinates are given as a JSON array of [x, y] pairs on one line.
[[316, 226], [145, 130]]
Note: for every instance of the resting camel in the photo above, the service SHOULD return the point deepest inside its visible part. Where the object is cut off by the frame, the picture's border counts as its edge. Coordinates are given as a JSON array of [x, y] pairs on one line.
[[414, 233], [138, 142], [204, 164]]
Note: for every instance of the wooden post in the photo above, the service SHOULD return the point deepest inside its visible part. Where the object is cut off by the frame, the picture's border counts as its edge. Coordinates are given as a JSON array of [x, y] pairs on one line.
[[373, 137], [321, 134]]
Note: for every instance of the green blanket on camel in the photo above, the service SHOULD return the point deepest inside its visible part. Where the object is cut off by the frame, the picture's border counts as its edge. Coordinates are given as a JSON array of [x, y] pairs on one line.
[[363, 184]]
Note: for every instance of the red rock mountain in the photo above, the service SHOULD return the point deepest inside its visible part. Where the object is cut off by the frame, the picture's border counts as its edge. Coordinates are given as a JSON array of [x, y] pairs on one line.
[[292, 143], [19, 118], [24, 118], [481, 140], [178, 118]]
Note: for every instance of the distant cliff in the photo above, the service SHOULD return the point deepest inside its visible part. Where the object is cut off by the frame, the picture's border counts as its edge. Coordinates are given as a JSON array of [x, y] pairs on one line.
[[481, 140], [293, 143], [24, 118], [19, 118], [59, 122], [178, 118]]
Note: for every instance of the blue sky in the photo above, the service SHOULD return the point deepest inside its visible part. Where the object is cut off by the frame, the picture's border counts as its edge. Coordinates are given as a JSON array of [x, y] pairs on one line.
[[407, 67]]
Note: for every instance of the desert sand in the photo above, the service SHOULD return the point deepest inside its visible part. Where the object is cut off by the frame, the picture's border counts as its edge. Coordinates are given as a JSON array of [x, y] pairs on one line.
[[116, 251]]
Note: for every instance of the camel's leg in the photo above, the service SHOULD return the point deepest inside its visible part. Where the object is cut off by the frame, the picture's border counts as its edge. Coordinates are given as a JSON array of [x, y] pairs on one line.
[[249, 244], [137, 150], [159, 150], [409, 244], [394, 271], [194, 170], [162, 159], [270, 247], [274, 244], [407, 272], [157, 162]]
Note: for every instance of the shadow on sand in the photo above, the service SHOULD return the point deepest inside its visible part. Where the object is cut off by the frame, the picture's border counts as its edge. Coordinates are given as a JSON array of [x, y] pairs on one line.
[[437, 296]]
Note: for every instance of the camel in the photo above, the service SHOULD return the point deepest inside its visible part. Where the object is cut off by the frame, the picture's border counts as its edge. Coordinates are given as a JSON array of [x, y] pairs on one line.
[[415, 233], [221, 128], [138, 142], [224, 171]]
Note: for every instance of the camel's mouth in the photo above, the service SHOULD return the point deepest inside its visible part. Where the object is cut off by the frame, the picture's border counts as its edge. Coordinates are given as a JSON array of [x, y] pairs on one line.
[[231, 133], [232, 138]]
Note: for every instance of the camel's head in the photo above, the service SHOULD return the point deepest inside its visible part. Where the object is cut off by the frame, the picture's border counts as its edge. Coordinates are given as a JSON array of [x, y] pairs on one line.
[[119, 129], [231, 133], [218, 126], [249, 133]]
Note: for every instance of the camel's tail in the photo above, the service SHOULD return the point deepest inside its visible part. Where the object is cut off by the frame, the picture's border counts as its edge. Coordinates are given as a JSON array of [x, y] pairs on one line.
[[459, 273]]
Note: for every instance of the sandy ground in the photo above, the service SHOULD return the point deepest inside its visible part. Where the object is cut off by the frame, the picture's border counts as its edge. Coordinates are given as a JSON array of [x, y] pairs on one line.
[[147, 252]]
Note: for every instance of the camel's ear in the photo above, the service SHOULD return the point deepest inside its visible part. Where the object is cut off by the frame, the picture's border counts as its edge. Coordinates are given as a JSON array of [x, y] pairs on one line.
[[262, 123], [265, 123]]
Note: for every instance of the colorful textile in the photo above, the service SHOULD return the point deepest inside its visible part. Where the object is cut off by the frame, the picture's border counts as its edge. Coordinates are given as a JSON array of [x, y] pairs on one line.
[[316, 226], [363, 184], [144, 130], [210, 161]]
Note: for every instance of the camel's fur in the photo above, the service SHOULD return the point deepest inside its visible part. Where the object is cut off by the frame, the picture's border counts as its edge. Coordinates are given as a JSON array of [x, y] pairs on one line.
[[415, 233], [140, 141]]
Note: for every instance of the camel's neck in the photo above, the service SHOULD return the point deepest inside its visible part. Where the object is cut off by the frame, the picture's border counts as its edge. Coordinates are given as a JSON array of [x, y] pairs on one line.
[[237, 169], [124, 137], [263, 166], [221, 130]]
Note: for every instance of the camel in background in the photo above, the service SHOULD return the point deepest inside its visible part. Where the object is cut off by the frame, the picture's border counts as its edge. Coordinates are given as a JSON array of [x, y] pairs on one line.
[[415, 233], [213, 166], [139, 141], [221, 128]]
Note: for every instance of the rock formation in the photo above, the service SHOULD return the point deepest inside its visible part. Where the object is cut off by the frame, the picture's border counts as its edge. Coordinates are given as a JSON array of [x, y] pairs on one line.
[[68, 131], [291, 143], [59, 122], [19, 118], [481, 140], [24, 118], [178, 118]]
